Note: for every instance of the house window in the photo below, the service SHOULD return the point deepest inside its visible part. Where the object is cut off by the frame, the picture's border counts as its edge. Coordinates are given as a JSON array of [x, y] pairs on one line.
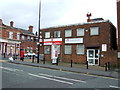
[[46, 49], [28, 37], [11, 35], [56, 34], [68, 33], [94, 31], [18, 36], [68, 49], [47, 34], [31, 38], [80, 49], [23, 37], [80, 32]]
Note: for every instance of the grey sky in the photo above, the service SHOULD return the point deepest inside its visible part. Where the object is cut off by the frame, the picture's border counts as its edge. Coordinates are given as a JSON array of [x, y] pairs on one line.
[[55, 12]]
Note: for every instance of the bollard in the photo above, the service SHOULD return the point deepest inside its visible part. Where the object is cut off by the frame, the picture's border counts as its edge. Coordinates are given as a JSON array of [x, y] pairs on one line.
[[4, 55], [87, 64], [57, 62], [44, 61], [33, 59], [71, 63], [108, 65], [105, 66]]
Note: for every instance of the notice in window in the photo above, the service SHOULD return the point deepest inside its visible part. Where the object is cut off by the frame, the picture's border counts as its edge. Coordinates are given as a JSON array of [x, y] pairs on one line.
[[104, 47]]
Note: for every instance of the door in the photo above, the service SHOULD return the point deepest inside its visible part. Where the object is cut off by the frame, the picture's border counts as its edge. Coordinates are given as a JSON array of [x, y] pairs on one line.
[[93, 56]]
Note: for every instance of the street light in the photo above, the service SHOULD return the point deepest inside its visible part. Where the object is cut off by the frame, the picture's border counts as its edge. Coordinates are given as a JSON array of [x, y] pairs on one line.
[[39, 31]]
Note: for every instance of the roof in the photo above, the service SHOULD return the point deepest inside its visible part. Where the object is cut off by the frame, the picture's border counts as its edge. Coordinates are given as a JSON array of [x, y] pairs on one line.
[[84, 23], [23, 30]]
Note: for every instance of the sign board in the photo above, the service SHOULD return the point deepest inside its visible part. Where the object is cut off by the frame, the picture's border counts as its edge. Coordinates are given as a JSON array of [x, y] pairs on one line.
[[74, 40], [56, 41], [104, 47], [118, 54]]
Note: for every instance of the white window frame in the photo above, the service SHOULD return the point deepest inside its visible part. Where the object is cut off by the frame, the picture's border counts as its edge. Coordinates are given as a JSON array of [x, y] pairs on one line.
[[68, 33], [78, 49], [47, 34], [80, 32], [92, 32], [10, 35], [23, 37], [68, 48]]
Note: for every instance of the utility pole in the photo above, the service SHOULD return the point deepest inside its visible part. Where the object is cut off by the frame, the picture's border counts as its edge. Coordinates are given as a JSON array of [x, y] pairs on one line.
[[39, 31]]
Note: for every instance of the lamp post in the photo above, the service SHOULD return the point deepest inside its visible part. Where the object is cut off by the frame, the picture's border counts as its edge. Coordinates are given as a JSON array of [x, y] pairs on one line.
[[39, 31]]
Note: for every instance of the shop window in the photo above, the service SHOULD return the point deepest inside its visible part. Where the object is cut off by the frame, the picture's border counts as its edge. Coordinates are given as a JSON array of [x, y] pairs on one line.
[[46, 49], [56, 34], [94, 31], [47, 34], [68, 33], [11, 35], [80, 49], [68, 49], [80, 32]]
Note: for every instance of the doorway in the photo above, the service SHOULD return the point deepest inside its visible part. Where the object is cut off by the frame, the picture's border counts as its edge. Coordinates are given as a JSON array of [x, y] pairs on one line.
[[93, 56]]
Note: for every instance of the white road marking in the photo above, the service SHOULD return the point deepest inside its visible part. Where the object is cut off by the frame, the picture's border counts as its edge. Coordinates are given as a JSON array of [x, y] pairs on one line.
[[50, 79], [114, 86], [10, 69], [62, 78]]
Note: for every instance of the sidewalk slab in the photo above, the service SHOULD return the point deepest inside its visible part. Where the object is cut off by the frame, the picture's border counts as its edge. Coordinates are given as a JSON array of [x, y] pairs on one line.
[[112, 74]]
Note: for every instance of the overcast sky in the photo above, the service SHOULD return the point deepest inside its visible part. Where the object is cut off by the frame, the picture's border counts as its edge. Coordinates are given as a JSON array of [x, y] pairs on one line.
[[55, 12]]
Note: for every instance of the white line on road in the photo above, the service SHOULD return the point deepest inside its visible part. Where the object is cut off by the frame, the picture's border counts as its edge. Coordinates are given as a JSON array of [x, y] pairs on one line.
[[114, 86], [62, 78], [10, 69], [50, 78]]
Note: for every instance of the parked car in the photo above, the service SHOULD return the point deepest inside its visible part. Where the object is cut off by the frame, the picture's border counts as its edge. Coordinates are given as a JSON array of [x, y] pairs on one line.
[[29, 54]]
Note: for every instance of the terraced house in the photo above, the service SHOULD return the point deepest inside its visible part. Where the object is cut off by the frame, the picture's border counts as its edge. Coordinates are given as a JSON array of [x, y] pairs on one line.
[[12, 39], [93, 41]]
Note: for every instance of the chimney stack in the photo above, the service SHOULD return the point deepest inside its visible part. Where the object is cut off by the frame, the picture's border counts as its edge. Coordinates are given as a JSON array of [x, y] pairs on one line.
[[30, 28], [0, 22], [89, 15], [11, 23]]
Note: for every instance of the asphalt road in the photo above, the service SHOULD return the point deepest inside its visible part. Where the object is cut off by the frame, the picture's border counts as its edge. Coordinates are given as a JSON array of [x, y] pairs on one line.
[[22, 76]]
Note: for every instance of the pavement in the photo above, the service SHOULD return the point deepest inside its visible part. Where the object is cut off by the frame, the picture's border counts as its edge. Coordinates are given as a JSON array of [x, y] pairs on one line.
[[92, 70]]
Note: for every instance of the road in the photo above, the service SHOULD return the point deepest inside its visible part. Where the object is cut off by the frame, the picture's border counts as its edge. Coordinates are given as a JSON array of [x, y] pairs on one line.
[[22, 76]]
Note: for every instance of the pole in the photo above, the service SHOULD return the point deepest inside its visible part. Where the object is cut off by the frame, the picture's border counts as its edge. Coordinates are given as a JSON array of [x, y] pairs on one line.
[[39, 31]]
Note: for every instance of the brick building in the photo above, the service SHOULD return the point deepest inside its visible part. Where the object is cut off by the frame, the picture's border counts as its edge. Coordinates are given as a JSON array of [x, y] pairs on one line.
[[12, 39], [93, 41]]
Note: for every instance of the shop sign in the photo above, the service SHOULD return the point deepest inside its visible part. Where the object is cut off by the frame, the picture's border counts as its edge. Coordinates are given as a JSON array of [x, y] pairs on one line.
[[56, 41], [74, 40]]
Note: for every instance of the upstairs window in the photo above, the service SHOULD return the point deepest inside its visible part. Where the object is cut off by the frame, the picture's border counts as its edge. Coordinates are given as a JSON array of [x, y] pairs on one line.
[[56, 34], [68, 33], [80, 32], [47, 34], [23, 37], [11, 35], [28, 37], [94, 31], [18, 36]]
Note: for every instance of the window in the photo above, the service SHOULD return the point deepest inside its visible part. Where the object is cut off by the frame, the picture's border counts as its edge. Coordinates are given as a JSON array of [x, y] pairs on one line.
[[18, 36], [31, 38], [68, 49], [23, 37], [47, 50], [11, 35], [28, 49], [68, 33], [31, 49], [28, 37], [47, 34], [94, 31], [80, 32], [80, 49], [56, 34]]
